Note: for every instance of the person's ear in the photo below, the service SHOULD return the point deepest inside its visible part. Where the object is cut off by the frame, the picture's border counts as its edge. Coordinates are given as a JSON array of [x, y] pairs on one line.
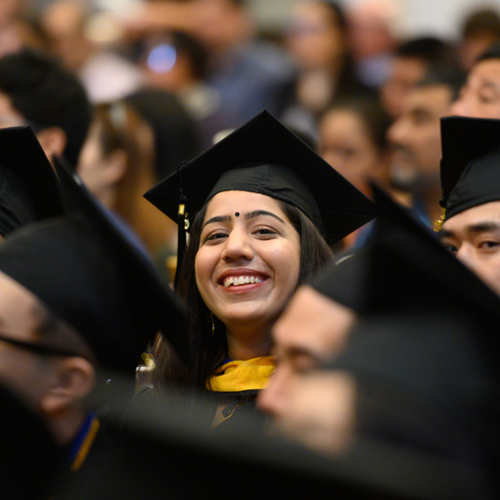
[[53, 141], [73, 379]]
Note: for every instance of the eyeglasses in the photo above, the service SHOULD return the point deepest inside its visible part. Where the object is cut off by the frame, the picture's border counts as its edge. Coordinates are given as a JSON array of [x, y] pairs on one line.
[[40, 348]]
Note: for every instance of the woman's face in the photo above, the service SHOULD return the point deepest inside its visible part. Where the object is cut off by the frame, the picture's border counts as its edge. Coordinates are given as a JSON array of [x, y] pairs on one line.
[[347, 147], [248, 261], [314, 39]]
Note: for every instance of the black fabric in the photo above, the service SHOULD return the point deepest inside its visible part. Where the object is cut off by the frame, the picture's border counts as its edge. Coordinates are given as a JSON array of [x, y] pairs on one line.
[[425, 348], [29, 456], [85, 269], [275, 181], [149, 304], [174, 451], [29, 189], [470, 166], [424, 384], [16, 208], [64, 264], [405, 267], [345, 281], [265, 142]]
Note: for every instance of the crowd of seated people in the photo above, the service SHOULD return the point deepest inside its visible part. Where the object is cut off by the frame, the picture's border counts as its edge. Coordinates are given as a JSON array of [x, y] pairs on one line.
[[229, 251]]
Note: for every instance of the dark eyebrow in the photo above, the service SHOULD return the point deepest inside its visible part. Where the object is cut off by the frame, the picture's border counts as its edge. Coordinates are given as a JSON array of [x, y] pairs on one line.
[[257, 213], [250, 215], [218, 218], [481, 227], [421, 112], [443, 233], [477, 228]]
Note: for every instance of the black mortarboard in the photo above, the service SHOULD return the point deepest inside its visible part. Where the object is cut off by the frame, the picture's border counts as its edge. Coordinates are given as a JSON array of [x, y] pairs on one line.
[[29, 189], [85, 269], [423, 383], [423, 353], [164, 447], [470, 166], [404, 267], [264, 157]]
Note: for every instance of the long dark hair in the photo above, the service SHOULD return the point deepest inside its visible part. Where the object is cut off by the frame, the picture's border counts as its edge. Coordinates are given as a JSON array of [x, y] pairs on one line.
[[208, 343]]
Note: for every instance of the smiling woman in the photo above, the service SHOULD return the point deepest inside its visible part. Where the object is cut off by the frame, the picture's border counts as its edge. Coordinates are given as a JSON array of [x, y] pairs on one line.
[[263, 206]]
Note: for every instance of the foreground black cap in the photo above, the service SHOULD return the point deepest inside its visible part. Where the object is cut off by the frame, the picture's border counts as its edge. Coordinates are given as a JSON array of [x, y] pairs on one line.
[[29, 189], [264, 157], [423, 353], [423, 383], [164, 447], [405, 267], [84, 268], [470, 166]]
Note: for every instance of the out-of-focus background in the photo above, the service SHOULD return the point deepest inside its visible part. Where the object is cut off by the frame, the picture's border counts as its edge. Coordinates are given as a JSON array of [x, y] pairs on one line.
[[364, 82], [439, 17]]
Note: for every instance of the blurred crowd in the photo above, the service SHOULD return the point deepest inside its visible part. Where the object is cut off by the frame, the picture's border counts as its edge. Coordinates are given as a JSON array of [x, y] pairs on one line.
[[168, 76], [399, 357]]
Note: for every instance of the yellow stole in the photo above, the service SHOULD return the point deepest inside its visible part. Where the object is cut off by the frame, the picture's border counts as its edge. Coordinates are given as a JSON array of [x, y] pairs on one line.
[[242, 375]]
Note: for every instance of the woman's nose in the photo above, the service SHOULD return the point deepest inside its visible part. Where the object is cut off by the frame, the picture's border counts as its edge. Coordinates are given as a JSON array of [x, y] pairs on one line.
[[238, 246]]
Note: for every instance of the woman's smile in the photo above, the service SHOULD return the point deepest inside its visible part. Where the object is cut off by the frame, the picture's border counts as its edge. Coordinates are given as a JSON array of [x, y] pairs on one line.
[[237, 279]]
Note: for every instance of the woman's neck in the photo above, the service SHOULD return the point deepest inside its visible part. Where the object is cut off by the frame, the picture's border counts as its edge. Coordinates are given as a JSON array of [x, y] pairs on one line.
[[248, 346]]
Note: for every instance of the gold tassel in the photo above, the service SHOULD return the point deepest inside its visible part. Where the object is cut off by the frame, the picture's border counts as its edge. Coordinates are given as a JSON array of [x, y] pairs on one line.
[[438, 225], [182, 211]]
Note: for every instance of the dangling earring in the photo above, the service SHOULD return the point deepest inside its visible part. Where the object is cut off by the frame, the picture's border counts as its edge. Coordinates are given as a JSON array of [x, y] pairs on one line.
[[213, 322]]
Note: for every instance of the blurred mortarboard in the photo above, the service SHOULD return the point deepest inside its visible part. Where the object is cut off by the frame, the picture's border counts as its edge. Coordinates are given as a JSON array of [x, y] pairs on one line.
[[88, 272], [404, 267], [264, 157], [423, 383], [174, 451], [29, 189], [470, 165], [424, 352]]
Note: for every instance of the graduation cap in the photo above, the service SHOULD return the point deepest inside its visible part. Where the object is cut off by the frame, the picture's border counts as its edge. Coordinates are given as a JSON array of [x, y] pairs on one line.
[[88, 272], [423, 352], [470, 165], [264, 157], [161, 448], [405, 268], [29, 189], [423, 384]]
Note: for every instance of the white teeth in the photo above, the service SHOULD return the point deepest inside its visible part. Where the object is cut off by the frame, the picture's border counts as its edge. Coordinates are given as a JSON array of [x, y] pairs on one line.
[[241, 280]]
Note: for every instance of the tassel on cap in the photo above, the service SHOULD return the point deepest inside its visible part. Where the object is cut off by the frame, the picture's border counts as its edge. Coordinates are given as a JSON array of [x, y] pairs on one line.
[[438, 225], [182, 225]]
